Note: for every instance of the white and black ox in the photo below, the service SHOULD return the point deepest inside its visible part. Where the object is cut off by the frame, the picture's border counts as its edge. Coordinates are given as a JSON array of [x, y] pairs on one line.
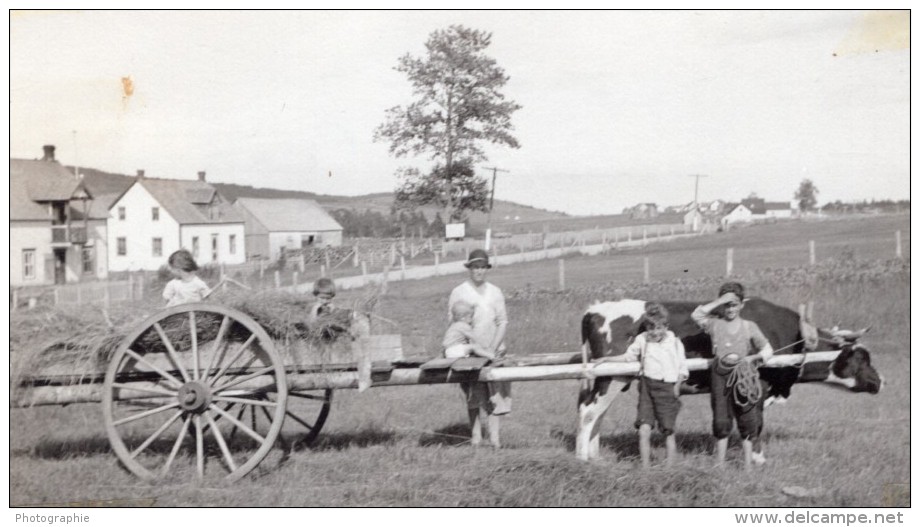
[[607, 328]]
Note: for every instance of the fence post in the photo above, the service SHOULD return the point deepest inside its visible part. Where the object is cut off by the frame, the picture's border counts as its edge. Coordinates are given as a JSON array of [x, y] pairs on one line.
[[142, 286], [130, 286], [277, 279], [437, 264], [33, 302], [402, 266], [15, 299], [645, 275], [322, 271], [604, 243], [105, 296], [364, 272], [356, 256], [897, 246], [644, 236], [494, 254], [561, 274], [811, 252], [672, 231], [328, 264], [629, 235], [729, 261], [392, 254], [302, 262], [79, 294], [295, 277]]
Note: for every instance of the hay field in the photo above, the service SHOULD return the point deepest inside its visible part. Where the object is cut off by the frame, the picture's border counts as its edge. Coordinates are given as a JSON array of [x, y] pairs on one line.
[[406, 446]]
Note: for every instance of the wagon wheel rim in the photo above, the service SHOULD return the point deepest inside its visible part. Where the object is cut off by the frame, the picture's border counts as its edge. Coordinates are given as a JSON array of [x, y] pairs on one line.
[[191, 388], [305, 415]]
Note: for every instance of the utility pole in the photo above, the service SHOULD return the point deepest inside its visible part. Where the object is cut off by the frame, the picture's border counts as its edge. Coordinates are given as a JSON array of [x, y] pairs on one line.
[[696, 190], [495, 172]]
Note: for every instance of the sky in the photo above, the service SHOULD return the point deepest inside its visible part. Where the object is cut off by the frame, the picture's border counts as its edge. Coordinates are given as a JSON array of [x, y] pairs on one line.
[[619, 107]]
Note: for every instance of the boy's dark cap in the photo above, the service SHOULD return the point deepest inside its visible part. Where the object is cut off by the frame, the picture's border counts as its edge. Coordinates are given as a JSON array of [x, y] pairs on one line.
[[478, 255]]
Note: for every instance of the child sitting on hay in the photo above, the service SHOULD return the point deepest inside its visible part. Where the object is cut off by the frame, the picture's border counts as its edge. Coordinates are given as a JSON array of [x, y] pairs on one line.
[[186, 287], [459, 340], [326, 321]]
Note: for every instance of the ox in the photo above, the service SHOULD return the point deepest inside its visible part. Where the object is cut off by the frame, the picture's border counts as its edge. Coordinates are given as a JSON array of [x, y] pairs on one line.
[[608, 328]]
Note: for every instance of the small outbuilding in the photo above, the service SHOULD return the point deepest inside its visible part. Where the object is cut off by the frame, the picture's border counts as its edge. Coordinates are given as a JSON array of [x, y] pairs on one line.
[[273, 225]]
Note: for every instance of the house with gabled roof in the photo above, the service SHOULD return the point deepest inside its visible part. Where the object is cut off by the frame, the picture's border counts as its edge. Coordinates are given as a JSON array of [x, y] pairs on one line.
[[275, 225], [155, 217], [57, 229]]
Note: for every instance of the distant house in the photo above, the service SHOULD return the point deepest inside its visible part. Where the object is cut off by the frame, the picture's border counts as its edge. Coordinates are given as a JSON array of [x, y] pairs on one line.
[[642, 211], [155, 217], [757, 206], [737, 213], [273, 225], [694, 219], [57, 232], [778, 209]]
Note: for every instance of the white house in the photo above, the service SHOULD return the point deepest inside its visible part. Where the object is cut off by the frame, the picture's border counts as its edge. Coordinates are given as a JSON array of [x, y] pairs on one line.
[[273, 225], [57, 232], [737, 214], [155, 217], [778, 209]]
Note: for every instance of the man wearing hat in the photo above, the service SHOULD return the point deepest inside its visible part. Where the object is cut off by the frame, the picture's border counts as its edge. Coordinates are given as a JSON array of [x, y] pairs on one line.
[[490, 320]]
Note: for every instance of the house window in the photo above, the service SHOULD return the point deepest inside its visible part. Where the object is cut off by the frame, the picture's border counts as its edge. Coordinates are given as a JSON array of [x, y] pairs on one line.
[[233, 244], [88, 260], [122, 246], [158, 246], [155, 214], [195, 247], [28, 264], [213, 247], [121, 213]]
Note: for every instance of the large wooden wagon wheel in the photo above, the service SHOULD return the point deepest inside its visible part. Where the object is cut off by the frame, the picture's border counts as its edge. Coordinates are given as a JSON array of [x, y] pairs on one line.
[[184, 371], [305, 416]]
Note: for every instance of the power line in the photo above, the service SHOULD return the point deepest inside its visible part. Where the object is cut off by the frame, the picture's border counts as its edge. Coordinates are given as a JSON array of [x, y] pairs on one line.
[[696, 191], [495, 171]]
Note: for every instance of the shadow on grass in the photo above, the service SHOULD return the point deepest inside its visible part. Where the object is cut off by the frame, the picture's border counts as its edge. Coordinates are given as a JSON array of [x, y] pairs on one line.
[[626, 444], [452, 435], [341, 441]]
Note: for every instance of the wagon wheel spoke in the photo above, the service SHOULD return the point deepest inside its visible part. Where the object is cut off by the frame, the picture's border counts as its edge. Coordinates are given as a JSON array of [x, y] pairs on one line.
[[171, 351], [236, 356], [199, 447], [239, 424], [239, 415], [145, 389], [309, 411], [176, 445], [244, 378], [148, 413], [156, 434], [134, 355], [193, 333], [217, 347], [220, 442]]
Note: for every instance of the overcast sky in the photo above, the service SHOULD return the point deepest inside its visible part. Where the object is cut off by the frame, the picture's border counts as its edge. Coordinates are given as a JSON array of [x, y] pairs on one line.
[[618, 107]]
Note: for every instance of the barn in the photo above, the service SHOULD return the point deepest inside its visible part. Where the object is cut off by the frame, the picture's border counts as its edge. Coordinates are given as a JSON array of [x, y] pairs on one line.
[[276, 224]]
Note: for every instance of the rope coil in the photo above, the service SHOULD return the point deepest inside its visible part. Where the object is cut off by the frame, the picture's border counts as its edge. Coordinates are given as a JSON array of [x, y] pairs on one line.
[[743, 381]]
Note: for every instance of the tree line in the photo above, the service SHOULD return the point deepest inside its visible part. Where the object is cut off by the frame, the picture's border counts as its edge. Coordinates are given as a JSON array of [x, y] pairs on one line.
[[402, 224]]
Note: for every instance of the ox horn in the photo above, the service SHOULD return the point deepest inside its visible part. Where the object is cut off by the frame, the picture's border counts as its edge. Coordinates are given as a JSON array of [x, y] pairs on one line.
[[847, 334]]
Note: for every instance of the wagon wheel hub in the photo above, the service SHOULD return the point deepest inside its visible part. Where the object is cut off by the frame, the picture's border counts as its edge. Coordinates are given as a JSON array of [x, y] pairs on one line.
[[194, 397]]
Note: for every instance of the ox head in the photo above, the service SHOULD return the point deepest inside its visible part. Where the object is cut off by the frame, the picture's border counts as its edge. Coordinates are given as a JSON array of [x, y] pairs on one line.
[[853, 366]]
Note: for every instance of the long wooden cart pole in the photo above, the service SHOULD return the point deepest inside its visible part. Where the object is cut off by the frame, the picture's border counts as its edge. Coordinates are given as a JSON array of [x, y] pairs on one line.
[[89, 393]]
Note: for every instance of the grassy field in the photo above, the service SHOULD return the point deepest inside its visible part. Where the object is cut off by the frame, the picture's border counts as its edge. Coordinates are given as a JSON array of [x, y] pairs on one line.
[[407, 446]]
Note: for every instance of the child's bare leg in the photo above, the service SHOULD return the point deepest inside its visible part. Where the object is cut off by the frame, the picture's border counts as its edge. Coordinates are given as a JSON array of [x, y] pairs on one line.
[[645, 445], [671, 445], [495, 431], [475, 426], [721, 450], [748, 448]]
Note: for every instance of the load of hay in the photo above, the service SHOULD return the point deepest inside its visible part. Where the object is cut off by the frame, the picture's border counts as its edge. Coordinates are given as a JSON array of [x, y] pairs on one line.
[[80, 342]]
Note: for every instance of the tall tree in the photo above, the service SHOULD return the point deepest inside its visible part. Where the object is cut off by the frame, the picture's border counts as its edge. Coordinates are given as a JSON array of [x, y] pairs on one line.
[[458, 108], [807, 194]]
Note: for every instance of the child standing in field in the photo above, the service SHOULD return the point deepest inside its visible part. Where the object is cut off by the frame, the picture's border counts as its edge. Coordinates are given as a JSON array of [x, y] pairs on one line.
[[186, 287], [663, 367], [459, 340], [738, 345]]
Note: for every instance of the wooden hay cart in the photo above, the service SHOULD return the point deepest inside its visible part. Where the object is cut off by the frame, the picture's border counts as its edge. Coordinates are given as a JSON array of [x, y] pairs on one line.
[[202, 381]]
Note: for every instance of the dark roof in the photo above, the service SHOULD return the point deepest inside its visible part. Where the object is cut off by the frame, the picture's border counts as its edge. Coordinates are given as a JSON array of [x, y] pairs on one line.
[[777, 205], [189, 201], [755, 204], [35, 182], [295, 215]]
